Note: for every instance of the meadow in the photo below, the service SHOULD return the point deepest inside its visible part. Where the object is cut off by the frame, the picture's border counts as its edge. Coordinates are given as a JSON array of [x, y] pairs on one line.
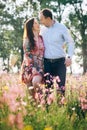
[[49, 110]]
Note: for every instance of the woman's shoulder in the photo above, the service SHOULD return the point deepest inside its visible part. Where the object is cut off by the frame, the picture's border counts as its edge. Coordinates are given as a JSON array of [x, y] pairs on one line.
[[25, 39], [61, 25]]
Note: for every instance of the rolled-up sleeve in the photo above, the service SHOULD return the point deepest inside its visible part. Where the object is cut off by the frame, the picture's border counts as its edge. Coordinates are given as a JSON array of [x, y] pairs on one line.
[[69, 41]]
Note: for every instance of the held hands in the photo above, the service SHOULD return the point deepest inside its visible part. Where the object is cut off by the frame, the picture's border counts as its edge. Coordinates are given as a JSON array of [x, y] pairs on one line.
[[68, 61]]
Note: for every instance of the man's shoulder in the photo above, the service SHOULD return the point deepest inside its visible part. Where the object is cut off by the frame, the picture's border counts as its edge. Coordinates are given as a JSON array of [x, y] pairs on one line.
[[60, 25]]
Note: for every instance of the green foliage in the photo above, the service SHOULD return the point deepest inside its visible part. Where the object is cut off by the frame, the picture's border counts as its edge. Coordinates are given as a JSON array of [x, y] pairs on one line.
[[13, 17], [12, 25], [3, 126], [60, 116]]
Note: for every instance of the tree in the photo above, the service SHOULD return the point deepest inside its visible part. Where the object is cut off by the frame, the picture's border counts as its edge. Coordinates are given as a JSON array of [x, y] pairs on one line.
[[12, 21], [13, 17], [78, 21]]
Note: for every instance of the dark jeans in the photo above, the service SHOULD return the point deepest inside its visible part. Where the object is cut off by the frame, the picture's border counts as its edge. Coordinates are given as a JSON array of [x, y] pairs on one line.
[[56, 67]]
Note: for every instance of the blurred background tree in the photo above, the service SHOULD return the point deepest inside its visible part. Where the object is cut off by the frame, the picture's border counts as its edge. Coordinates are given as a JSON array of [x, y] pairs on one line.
[[14, 13]]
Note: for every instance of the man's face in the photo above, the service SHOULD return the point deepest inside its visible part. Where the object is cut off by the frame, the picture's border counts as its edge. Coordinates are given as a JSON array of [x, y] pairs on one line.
[[43, 19]]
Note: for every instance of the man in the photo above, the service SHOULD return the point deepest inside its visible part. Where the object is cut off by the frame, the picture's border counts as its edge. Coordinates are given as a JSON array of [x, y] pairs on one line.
[[55, 35]]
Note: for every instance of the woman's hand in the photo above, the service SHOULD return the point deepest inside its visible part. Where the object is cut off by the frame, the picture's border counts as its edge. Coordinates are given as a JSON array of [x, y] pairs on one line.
[[34, 71]]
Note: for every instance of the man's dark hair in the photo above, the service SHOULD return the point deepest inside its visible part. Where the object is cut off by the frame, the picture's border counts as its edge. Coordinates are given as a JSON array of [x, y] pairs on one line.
[[47, 13]]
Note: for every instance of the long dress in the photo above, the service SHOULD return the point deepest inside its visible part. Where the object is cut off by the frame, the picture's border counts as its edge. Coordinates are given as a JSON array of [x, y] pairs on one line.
[[32, 61]]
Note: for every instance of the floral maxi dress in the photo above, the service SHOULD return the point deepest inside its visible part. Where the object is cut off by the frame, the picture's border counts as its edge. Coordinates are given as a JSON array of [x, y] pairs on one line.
[[32, 61]]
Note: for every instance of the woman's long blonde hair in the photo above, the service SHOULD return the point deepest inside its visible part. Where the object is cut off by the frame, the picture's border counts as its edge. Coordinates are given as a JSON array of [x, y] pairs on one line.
[[25, 32]]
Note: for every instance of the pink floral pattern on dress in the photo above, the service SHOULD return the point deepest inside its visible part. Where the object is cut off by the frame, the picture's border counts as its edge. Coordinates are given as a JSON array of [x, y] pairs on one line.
[[33, 60]]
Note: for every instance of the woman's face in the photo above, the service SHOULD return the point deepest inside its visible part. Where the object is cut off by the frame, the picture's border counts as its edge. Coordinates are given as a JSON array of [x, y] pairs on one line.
[[36, 26]]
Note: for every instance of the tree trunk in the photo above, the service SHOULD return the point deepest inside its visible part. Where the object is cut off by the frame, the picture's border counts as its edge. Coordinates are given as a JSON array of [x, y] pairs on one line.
[[84, 51], [84, 47]]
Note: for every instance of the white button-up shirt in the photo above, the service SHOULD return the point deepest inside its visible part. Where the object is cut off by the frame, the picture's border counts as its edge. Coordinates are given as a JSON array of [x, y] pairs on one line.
[[55, 38]]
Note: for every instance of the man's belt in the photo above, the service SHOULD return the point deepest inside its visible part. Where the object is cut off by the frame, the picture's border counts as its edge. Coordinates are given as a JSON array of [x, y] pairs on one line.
[[54, 60]]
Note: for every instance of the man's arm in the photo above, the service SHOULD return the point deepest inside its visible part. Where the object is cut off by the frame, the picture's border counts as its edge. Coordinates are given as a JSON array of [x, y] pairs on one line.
[[70, 43]]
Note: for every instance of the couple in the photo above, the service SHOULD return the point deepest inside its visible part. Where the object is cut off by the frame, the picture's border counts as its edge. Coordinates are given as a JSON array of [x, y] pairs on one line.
[[48, 43]]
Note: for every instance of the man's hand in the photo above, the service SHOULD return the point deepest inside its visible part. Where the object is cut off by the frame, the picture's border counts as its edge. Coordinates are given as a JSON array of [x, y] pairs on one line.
[[68, 61]]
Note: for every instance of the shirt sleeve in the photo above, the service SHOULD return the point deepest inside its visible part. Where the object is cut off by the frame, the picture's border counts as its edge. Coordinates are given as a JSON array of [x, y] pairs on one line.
[[69, 41]]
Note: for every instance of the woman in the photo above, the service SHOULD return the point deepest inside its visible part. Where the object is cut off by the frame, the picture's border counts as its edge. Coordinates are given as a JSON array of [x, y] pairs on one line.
[[32, 66]]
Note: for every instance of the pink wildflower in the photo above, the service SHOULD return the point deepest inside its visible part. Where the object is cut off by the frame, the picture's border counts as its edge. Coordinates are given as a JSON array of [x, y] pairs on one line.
[[57, 79], [83, 103], [19, 121], [50, 98], [11, 119], [63, 100]]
